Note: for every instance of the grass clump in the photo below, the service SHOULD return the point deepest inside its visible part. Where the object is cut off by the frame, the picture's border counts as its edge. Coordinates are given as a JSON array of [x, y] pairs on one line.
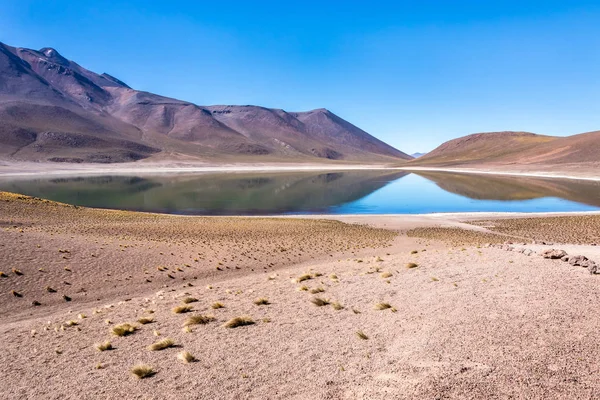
[[143, 371], [124, 329], [386, 275], [189, 300], [411, 265], [186, 357], [382, 306], [145, 320], [337, 306], [198, 320], [414, 251], [182, 309], [3, 275], [103, 346], [317, 290], [162, 344], [217, 305], [17, 272], [239, 321], [362, 335], [319, 302], [303, 288], [262, 301], [303, 278]]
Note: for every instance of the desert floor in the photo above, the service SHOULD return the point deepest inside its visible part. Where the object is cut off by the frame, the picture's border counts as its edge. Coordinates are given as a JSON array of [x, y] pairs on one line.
[[412, 307]]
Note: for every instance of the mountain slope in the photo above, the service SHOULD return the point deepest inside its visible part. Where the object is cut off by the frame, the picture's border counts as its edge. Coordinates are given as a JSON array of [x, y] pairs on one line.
[[54, 109], [491, 147]]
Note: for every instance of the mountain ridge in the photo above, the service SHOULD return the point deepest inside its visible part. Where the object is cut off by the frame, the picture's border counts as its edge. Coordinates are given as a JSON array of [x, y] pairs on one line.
[[105, 120]]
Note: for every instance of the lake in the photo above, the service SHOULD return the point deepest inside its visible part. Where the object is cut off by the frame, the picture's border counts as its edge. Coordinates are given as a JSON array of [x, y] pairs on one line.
[[340, 192]]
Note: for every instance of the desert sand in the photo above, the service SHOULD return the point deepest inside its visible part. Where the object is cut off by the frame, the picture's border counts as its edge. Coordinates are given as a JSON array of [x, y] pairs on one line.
[[411, 307]]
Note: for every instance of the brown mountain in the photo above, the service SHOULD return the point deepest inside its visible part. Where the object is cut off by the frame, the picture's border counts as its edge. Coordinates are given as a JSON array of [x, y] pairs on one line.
[[515, 148], [52, 109]]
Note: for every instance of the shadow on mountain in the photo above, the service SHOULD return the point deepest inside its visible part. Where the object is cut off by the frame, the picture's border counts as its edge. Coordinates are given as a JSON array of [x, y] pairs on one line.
[[211, 194], [490, 187]]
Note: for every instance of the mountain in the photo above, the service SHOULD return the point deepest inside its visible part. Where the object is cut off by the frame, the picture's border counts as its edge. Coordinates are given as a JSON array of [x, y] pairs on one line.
[[53, 109], [491, 147], [417, 155]]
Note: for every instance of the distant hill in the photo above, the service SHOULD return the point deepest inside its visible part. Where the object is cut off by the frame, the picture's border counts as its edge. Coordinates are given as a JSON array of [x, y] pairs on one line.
[[491, 147], [52, 109], [417, 155]]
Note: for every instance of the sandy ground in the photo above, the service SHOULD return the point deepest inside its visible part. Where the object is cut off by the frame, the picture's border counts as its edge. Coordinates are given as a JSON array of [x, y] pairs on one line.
[[468, 321]]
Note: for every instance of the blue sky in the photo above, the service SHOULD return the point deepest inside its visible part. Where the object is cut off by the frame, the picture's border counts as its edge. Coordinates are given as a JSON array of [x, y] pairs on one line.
[[413, 73]]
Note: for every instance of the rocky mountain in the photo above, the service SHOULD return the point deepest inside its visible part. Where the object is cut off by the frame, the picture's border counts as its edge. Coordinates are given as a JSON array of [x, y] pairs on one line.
[[53, 109]]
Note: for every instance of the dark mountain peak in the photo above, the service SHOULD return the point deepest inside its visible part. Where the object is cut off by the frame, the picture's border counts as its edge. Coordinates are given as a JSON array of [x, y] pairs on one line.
[[54, 56]]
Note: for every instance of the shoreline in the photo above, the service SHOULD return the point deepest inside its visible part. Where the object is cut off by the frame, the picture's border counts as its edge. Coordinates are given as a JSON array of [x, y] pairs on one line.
[[31, 169], [533, 174]]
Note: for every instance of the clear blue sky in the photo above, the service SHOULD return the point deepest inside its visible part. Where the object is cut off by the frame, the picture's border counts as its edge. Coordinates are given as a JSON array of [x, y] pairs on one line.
[[413, 73]]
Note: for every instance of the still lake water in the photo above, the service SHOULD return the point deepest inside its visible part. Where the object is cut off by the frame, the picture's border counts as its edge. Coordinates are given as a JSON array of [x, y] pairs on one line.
[[347, 192]]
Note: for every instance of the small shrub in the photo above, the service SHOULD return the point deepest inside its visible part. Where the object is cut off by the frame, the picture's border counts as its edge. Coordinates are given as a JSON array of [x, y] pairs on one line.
[[337, 306], [103, 346], [198, 320], [303, 278], [124, 329], [319, 302], [17, 272], [143, 371], [362, 335], [239, 321], [386, 275], [182, 309], [317, 290], [412, 265], [145, 320], [189, 300], [261, 301], [382, 306], [186, 357], [217, 305], [162, 344]]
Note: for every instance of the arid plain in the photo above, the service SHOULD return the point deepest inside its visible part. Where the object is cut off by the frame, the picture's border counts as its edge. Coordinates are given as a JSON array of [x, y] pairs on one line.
[[365, 307]]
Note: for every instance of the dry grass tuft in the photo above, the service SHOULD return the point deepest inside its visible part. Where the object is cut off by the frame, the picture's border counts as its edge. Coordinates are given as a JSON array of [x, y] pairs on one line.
[[412, 265], [303, 278], [189, 300], [145, 320], [317, 290], [238, 321], [186, 357], [3, 275], [333, 277], [162, 344], [17, 272], [337, 306], [198, 320], [362, 335], [382, 306], [303, 288], [263, 301], [319, 302], [124, 329], [182, 309], [386, 275], [15, 293], [217, 305], [143, 371], [414, 251], [103, 346]]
